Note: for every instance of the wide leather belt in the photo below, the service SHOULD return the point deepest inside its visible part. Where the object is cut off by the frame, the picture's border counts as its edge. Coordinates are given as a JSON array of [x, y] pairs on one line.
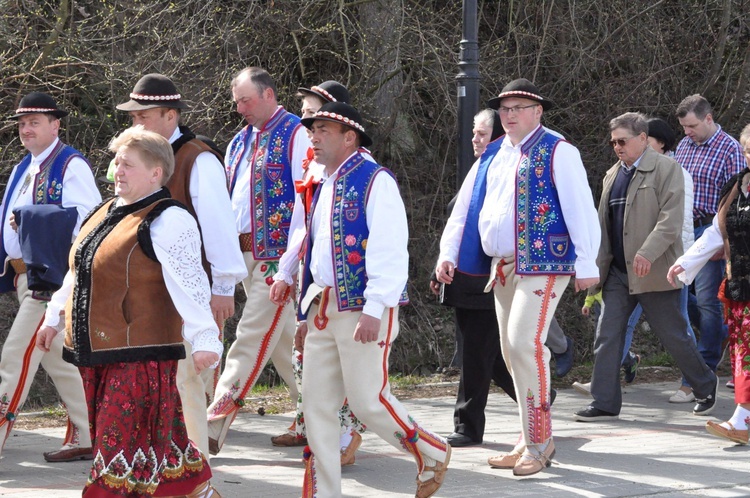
[[18, 266], [703, 220], [246, 242]]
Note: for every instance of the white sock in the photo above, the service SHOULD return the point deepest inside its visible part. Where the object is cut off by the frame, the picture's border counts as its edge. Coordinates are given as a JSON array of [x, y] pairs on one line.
[[345, 439], [739, 419], [427, 474]]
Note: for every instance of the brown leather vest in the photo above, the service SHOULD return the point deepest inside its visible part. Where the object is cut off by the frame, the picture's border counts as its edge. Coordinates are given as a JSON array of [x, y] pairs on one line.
[[120, 309]]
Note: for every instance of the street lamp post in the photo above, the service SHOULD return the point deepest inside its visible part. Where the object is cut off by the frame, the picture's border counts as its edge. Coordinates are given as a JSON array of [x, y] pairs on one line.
[[467, 86]]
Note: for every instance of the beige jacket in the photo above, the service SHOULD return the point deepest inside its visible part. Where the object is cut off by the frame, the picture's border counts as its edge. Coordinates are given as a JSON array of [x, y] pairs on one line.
[[653, 221]]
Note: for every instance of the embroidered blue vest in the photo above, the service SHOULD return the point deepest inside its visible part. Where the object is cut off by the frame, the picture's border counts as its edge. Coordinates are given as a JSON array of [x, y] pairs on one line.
[[544, 245], [47, 186], [272, 190], [349, 233]]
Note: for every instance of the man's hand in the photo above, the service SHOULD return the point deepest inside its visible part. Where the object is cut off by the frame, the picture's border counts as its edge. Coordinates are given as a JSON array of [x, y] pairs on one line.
[[435, 287], [12, 222], [585, 283], [299, 337], [672, 274], [367, 329], [44, 338], [203, 360], [278, 292], [444, 272], [641, 266], [222, 308]]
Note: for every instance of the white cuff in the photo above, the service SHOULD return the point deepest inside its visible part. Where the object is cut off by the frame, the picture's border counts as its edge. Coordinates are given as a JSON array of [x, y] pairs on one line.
[[373, 309], [208, 341], [282, 275], [223, 286]]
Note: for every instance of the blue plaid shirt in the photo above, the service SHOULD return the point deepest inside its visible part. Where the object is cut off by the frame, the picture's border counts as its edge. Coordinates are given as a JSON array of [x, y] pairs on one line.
[[711, 164]]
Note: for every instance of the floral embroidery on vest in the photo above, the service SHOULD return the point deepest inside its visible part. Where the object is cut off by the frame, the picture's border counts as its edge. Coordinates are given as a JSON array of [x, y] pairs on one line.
[[544, 245], [273, 187]]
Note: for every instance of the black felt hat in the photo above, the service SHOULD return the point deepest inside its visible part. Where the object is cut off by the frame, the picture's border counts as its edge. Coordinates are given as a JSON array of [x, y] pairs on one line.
[[38, 103], [339, 112], [151, 91], [329, 91], [520, 88]]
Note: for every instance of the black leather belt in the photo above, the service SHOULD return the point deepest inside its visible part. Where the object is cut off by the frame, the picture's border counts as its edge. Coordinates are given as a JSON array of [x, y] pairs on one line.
[[703, 220]]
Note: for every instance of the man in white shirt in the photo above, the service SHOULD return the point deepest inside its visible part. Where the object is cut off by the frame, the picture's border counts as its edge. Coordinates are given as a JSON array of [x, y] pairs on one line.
[[525, 217], [52, 173], [356, 268], [199, 183], [262, 163]]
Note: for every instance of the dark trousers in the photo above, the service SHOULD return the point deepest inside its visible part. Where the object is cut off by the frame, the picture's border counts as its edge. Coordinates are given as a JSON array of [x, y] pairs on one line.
[[482, 362], [664, 312]]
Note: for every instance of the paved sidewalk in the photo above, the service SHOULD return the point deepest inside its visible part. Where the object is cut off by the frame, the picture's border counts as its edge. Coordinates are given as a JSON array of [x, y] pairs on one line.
[[655, 449]]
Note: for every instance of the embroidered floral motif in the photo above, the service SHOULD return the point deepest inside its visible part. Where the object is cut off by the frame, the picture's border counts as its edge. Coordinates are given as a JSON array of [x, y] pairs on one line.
[[539, 420], [226, 404], [540, 248], [272, 187]]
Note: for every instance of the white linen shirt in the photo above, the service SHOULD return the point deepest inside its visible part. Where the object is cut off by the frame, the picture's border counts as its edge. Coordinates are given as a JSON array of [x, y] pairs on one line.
[[386, 256], [210, 197], [176, 239], [497, 218], [79, 191]]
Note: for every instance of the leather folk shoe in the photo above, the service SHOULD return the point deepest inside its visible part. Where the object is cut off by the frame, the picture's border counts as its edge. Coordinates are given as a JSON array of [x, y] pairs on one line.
[[731, 434], [504, 461], [430, 486], [348, 455], [529, 463], [288, 439], [69, 454]]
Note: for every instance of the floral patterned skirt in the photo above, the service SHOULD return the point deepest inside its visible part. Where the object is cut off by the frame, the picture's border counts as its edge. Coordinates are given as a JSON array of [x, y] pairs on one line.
[[738, 320], [140, 443]]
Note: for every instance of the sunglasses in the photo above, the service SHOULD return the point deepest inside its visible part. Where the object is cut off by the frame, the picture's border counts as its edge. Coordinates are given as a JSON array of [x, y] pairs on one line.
[[620, 141]]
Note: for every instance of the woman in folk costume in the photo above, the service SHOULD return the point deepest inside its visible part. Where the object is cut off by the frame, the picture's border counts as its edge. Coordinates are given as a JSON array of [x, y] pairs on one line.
[[135, 288], [729, 231], [312, 100]]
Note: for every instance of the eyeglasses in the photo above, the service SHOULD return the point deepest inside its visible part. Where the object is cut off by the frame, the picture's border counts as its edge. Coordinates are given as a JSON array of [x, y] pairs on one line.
[[515, 109], [620, 141]]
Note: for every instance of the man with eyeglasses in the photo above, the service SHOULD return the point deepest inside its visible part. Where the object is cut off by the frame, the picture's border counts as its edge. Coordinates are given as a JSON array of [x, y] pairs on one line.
[[641, 214], [525, 218], [712, 157]]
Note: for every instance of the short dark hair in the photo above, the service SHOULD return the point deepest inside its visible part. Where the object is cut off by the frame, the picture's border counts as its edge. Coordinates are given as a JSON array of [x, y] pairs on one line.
[[696, 104], [634, 122], [258, 76], [660, 130]]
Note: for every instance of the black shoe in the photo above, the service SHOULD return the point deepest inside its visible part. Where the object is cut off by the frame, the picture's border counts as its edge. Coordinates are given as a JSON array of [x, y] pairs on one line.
[[591, 414], [564, 361], [706, 405], [631, 368], [457, 440], [552, 396]]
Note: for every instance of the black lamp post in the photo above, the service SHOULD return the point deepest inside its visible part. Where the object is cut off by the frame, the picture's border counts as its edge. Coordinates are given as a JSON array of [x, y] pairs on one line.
[[467, 85]]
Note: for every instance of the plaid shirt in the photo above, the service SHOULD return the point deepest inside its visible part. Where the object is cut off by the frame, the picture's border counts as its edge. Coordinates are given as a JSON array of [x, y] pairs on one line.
[[711, 164]]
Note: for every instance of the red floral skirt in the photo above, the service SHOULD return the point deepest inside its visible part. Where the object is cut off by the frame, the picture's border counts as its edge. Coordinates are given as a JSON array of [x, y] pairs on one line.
[[140, 443], [738, 320]]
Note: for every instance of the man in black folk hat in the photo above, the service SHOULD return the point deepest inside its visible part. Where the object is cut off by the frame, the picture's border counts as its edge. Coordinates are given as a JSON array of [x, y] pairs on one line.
[[200, 184], [354, 279], [51, 174], [312, 99], [524, 217]]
